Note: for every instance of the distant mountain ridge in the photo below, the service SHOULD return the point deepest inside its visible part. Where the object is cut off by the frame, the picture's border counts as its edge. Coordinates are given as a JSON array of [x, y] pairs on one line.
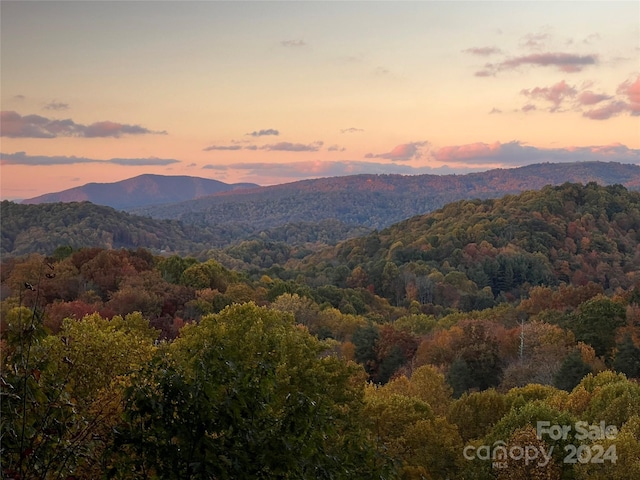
[[140, 191], [377, 201], [267, 225]]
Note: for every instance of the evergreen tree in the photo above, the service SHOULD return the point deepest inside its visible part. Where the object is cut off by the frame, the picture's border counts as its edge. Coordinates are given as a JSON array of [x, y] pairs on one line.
[[572, 370]]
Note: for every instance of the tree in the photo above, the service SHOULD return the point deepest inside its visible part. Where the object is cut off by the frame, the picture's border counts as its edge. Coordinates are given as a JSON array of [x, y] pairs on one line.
[[245, 394], [61, 393], [209, 274], [596, 321], [627, 358], [571, 372], [365, 339], [476, 413], [478, 364], [303, 309]]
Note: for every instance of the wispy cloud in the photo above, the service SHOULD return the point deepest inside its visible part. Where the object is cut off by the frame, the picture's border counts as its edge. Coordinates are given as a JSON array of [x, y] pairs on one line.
[[495, 110], [565, 62], [483, 51], [222, 147], [293, 147], [336, 148], [535, 40], [405, 151], [260, 133], [516, 154], [56, 106], [381, 71], [280, 147], [21, 158], [591, 38], [588, 97], [351, 130], [14, 125], [293, 43]]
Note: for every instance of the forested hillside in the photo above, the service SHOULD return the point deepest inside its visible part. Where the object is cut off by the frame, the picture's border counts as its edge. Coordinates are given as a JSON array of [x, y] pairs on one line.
[[42, 228], [377, 201], [472, 252], [405, 354]]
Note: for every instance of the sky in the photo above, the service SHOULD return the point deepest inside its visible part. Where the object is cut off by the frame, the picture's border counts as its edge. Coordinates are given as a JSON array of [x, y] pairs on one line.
[[274, 92]]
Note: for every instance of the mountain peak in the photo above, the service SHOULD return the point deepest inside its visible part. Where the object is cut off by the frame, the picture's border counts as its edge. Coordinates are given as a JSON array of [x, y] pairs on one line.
[[143, 190]]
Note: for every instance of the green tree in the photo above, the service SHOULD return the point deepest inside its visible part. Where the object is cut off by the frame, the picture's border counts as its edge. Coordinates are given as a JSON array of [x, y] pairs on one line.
[[61, 393], [595, 323], [245, 394], [173, 267]]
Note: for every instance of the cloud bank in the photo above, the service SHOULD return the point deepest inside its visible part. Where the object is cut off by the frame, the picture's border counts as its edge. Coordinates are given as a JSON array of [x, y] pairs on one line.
[[516, 154]]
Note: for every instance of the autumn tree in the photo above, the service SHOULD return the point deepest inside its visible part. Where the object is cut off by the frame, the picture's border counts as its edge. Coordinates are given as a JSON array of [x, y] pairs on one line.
[[62, 393], [245, 393]]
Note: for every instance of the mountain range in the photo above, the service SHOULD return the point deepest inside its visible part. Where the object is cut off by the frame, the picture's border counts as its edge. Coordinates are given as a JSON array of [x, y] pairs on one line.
[[377, 201], [320, 211], [140, 191]]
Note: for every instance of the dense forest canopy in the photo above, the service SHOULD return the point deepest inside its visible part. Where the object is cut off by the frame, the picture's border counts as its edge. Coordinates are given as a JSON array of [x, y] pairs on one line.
[[479, 250], [42, 228], [399, 354]]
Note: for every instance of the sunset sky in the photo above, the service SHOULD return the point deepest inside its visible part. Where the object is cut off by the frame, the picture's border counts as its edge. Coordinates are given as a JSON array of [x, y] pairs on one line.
[[273, 92]]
